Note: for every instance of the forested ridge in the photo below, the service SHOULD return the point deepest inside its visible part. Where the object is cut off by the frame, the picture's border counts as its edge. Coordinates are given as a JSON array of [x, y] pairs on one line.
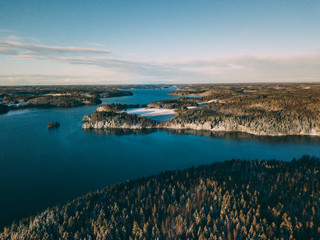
[[229, 200]]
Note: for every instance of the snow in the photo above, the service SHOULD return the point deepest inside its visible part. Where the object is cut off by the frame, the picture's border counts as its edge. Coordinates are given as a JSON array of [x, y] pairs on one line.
[[149, 112]]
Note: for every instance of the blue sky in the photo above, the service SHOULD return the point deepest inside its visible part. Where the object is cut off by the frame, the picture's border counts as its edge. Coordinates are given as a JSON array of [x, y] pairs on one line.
[[163, 41]]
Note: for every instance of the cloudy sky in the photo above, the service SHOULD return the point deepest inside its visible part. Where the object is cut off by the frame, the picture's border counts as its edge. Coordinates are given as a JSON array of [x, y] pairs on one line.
[[158, 41]]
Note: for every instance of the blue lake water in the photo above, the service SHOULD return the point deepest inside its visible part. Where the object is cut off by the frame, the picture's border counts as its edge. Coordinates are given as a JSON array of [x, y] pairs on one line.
[[41, 168]]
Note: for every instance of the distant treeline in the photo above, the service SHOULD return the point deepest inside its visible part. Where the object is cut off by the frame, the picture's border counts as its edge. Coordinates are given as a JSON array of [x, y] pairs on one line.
[[228, 200], [13, 98]]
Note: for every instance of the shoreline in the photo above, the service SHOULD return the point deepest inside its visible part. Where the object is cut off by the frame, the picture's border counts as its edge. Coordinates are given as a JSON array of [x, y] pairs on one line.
[[101, 124]]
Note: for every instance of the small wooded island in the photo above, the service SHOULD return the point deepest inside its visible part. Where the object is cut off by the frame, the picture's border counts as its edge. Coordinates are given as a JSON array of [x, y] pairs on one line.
[[228, 200], [260, 109], [53, 125]]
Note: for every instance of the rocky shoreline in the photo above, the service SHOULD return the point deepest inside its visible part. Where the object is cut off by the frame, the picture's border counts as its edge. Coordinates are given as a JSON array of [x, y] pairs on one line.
[[207, 126], [262, 110], [109, 119]]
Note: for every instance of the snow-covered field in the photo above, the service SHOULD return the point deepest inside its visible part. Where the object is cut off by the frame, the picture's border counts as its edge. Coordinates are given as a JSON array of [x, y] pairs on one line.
[[150, 112], [57, 94], [156, 112]]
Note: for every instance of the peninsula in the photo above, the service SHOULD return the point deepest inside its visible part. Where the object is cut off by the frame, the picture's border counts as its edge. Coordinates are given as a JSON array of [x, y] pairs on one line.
[[259, 109]]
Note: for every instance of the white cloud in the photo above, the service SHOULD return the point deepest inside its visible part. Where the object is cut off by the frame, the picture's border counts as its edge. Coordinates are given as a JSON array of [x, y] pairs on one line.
[[25, 49], [94, 44], [232, 69], [101, 69]]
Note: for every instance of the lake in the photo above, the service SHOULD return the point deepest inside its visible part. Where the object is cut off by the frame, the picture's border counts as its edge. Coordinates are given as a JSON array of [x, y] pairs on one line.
[[41, 168]]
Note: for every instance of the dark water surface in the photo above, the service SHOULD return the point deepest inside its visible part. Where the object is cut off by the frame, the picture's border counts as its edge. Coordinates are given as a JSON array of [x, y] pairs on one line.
[[40, 167]]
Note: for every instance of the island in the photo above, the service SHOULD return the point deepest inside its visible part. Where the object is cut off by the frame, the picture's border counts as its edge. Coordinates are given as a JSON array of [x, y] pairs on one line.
[[235, 199], [53, 124], [114, 116], [14, 98], [259, 109]]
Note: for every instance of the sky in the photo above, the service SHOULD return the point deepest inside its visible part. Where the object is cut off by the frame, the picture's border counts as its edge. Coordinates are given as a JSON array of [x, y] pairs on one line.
[[158, 41]]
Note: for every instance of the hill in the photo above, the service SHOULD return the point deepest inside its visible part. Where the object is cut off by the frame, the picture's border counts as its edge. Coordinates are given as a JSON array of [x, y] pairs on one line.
[[230, 200]]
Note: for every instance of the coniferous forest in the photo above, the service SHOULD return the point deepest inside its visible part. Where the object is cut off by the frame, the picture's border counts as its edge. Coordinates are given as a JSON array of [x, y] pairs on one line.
[[259, 109], [235, 199]]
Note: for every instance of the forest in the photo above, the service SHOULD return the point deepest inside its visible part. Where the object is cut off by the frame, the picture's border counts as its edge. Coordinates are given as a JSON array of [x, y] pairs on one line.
[[13, 98], [236, 199], [259, 109], [179, 104], [116, 107], [102, 119]]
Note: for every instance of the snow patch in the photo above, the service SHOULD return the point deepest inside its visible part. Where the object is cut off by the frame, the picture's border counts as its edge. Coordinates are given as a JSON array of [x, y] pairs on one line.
[[150, 112]]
